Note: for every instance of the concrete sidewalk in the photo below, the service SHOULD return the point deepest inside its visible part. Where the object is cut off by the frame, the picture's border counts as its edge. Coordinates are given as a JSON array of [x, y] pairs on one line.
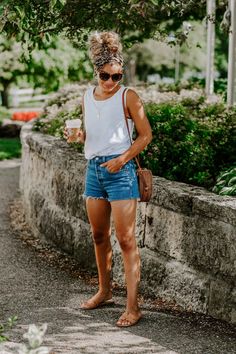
[[38, 293]]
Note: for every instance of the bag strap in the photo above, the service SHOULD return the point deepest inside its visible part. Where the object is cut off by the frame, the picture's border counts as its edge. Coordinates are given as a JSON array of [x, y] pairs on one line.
[[127, 116]]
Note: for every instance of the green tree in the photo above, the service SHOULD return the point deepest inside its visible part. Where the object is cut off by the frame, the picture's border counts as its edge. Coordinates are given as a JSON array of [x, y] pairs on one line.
[[56, 63], [159, 57], [51, 66], [134, 20], [10, 66]]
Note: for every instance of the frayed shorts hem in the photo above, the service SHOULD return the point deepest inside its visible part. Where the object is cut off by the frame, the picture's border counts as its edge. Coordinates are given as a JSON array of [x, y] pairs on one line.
[[108, 199]]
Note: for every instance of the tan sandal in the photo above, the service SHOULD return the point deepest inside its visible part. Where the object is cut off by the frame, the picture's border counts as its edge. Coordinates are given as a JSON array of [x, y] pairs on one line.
[[128, 319], [91, 305]]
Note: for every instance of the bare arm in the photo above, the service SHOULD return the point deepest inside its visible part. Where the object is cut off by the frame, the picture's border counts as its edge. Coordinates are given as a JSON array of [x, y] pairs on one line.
[[81, 133], [143, 128], [84, 132], [142, 125]]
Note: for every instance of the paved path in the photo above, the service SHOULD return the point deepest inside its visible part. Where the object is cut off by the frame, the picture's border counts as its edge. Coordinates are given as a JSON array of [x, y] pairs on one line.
[[38, 293]]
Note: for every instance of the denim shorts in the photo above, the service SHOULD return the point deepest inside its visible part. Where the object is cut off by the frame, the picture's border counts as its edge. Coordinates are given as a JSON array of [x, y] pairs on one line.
[[102, 184]]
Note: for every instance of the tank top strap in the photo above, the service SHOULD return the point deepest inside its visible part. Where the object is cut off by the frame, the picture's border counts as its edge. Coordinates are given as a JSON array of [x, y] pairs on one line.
[[89, 91], [125, 96]]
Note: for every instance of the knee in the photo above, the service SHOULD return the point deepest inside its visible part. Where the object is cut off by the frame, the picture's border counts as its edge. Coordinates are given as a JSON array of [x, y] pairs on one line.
[[99, 237], [127, 242]]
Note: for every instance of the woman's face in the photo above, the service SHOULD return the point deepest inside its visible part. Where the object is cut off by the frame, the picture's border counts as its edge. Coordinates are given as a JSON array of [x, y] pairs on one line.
[[109, 85]]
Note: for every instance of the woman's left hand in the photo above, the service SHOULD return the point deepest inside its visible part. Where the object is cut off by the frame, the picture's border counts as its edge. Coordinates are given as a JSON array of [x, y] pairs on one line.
[[114, 165]]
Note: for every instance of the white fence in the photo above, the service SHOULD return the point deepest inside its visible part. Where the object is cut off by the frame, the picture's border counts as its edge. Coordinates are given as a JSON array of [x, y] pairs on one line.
[[18, 96]]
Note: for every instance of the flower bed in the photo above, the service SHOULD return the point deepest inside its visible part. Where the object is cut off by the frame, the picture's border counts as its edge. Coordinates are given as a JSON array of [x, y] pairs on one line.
[[24, 116]]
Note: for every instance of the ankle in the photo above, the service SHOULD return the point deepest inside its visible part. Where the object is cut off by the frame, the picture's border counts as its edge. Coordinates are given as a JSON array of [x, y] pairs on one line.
[[132, 309], [105, 291]]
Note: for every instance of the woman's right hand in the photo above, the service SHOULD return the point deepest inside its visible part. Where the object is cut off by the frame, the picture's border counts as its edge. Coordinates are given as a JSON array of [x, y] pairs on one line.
[[80, 136]]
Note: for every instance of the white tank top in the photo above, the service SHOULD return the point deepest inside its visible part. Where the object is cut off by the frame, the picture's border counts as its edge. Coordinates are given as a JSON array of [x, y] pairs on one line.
[[105, 126]]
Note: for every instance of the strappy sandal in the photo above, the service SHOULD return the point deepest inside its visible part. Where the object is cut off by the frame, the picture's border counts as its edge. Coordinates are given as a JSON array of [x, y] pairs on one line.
[[91, 305], [128, 320]]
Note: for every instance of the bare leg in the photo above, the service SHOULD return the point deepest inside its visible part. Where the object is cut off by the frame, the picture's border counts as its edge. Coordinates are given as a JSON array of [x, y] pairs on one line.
[[124, 215], [99, 212]]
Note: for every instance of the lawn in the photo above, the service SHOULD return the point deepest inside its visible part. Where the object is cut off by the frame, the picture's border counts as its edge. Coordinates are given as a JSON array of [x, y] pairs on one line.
[[9, 148]]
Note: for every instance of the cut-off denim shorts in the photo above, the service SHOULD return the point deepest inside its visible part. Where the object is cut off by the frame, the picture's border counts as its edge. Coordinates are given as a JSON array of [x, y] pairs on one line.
[[102, 184]]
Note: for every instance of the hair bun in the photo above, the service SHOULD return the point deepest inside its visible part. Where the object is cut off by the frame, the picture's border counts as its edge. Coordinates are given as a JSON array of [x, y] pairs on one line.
[[111, 41], [104, 43]]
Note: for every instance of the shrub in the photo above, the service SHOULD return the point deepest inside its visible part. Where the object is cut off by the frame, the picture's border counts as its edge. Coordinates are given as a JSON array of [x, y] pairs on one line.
[[189, 144], [220, 85], [226, 183]]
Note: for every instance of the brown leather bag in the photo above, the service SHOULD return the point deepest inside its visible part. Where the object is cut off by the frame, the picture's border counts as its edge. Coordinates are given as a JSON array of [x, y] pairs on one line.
[[144, 175], [145, 184]]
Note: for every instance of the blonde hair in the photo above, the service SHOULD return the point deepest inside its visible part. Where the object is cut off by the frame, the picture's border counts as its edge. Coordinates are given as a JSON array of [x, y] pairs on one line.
[[105, 48]]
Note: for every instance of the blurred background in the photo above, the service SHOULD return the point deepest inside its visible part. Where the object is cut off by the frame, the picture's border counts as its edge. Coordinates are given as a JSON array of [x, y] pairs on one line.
[[149, 62]]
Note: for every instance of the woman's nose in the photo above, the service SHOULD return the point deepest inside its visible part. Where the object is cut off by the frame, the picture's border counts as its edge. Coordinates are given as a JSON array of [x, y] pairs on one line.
[[110, 79]]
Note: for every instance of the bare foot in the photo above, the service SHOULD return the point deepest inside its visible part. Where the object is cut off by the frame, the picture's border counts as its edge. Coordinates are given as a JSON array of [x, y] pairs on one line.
[[128, 319], [99, 299]]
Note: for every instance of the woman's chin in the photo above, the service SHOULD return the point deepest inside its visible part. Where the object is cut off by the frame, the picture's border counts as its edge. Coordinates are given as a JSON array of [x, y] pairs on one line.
[[109, 89]]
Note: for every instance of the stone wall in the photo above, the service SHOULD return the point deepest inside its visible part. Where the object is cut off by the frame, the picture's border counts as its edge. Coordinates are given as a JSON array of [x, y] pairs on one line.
[[186, 235]]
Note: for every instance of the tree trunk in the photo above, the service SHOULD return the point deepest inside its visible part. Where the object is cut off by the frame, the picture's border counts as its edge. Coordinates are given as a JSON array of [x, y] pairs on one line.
[[130, 71], [231, 85], [5, 95], [211, 8]]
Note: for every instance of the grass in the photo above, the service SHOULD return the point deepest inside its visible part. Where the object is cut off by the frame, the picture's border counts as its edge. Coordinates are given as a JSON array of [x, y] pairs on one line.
[[10, 148]]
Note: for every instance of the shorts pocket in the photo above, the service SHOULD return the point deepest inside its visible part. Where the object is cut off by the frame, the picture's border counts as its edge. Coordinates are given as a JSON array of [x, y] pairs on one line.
[[124, 170]]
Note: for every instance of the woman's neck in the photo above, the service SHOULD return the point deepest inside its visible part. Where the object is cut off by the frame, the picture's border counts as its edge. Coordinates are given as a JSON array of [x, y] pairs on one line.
[[99, 93]]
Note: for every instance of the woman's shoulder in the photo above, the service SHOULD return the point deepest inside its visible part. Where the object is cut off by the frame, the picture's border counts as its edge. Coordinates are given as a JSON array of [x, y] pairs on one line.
[[131, 94]]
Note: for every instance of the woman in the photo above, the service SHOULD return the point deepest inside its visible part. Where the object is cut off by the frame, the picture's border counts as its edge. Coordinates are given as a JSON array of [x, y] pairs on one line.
[[111, 187]]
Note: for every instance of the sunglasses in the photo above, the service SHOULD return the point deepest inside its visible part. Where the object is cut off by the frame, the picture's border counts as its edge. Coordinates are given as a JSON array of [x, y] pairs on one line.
[[105, 76]]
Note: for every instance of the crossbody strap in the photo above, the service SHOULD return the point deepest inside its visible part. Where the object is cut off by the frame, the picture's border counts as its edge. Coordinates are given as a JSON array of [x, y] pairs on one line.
[[127, 116]]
